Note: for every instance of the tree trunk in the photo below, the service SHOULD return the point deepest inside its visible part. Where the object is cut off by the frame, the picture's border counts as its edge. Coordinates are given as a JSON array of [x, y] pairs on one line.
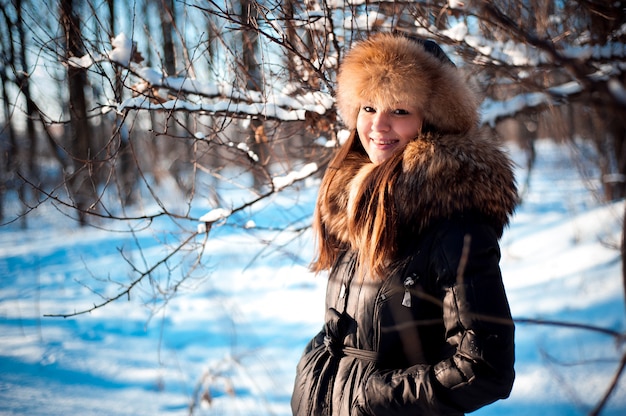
[[31, 108], [9, 149], [169, 52], [623, 251], [81, 181], [256, 140]]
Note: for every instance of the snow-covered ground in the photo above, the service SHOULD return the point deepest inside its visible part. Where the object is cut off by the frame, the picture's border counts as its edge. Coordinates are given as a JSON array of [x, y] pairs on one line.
[[234, 333]]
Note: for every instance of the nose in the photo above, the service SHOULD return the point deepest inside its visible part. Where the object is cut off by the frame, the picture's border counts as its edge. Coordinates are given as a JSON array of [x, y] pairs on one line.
[[380, 121]]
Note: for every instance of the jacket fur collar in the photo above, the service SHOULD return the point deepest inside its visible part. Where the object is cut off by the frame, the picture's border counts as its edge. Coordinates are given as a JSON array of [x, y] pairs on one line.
[[436, 177]]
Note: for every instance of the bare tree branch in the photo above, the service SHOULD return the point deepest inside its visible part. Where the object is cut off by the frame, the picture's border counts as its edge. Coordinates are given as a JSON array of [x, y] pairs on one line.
[[612, 386]]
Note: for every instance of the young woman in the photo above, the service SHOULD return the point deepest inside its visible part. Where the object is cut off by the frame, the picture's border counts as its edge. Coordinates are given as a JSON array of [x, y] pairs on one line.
[[408, 219]]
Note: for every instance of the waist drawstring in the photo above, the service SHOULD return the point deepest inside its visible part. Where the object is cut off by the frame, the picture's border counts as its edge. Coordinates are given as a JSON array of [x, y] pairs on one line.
[[336, 327]]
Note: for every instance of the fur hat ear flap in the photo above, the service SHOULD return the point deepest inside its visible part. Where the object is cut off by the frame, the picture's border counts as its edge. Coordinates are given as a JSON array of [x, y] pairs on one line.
[[389, 69], [452, 106]]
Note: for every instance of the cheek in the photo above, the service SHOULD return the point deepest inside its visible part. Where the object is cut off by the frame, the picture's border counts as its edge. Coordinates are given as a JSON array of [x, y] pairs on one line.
[[408, 133], [362, 124], [411, 130], [363, 129]]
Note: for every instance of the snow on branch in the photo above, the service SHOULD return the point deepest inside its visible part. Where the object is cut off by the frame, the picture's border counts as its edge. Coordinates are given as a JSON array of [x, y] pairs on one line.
[[524, 54], [206, 221], [494, 110], [213, 216], [214, 97], [225, 106], [224, 98], [124, 52], [307, 170]]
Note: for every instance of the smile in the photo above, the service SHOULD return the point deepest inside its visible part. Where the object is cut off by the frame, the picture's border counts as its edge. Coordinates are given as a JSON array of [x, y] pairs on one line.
[[384, 142]]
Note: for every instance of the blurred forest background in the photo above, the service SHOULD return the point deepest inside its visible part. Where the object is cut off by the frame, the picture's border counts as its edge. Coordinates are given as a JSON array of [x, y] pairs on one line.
[[106, 101], [221, 70]]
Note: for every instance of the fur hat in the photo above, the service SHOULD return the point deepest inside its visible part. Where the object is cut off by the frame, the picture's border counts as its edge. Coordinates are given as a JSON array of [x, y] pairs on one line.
[[388, 68]]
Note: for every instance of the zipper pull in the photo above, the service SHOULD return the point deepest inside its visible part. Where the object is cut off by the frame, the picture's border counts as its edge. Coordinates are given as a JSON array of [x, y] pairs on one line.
[[408, 282], [342, 291]]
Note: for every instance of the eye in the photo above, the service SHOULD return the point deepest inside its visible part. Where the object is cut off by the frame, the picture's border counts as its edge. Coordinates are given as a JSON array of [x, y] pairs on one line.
[[400, 112], [368, 109]]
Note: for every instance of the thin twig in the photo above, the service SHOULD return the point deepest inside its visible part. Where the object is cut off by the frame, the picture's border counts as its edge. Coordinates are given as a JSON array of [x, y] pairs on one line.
[[596, 411], [620, 336], [125, 292]]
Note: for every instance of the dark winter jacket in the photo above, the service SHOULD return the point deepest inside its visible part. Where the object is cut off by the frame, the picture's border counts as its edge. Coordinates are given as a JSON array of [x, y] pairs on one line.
[[435, 337]]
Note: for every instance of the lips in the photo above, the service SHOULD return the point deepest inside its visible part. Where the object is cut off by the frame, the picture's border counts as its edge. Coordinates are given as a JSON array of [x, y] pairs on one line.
[[384, 142]]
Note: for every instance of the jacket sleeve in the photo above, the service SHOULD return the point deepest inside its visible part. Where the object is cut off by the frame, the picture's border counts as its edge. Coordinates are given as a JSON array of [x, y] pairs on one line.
[[479, 334]]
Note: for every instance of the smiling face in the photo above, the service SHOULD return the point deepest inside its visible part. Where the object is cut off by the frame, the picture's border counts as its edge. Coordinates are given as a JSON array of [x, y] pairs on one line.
[[384, 131]]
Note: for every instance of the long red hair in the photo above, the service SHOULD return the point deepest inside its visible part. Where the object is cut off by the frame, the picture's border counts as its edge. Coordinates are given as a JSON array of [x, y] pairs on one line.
[[372, 219]]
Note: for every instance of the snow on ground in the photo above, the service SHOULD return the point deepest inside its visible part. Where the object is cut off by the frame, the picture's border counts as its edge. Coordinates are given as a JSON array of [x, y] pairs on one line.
[[237, 329]]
